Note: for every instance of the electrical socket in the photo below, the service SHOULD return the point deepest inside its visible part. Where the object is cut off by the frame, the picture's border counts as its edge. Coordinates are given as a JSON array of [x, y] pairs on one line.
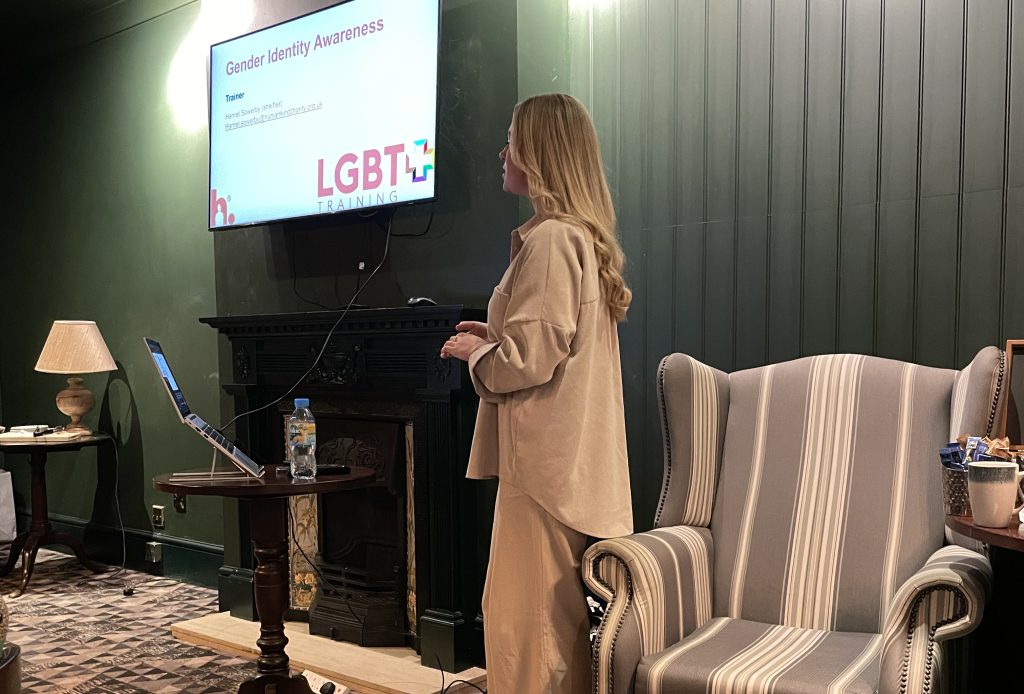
[[158, 517]]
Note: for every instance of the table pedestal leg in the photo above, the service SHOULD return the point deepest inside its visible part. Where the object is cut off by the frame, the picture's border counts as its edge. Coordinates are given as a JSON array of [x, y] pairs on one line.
[[269, 526], [41, 533], [16, 548]]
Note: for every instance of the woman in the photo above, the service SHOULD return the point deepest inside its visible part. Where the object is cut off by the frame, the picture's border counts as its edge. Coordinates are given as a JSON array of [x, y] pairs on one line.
[[550, 424]]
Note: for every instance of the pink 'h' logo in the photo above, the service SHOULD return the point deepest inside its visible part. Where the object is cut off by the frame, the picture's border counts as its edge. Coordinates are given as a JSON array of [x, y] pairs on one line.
[[219, 205]]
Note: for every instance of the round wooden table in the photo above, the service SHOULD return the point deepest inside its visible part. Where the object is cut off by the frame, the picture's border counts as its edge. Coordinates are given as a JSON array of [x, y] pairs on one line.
[[41, 533], [1010, 537], [268, 513]]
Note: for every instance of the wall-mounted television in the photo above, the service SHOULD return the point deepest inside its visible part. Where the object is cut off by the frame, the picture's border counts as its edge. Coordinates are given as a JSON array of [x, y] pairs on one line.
[[331, 112]]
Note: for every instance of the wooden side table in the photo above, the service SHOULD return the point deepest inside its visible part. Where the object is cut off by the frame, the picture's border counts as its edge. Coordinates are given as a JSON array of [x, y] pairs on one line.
[[41, 533], [269, 522]]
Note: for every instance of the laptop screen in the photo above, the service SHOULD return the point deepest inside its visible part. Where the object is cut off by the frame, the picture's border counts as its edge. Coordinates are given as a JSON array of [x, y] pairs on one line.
[[165, 371]]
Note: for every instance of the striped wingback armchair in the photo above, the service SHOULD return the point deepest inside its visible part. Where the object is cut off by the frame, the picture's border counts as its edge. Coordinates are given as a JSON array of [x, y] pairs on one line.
[[798, 543]]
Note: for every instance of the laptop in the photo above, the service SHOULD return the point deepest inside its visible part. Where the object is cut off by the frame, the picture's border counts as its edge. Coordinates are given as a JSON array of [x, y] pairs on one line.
[[195, 422]]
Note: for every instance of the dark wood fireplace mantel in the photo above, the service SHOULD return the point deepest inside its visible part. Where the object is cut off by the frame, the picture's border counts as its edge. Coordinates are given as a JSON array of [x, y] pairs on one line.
[[378, 364]]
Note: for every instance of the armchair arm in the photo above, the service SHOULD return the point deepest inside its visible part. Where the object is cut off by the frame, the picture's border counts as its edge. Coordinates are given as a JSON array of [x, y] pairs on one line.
[[944, 600], [658, 588]]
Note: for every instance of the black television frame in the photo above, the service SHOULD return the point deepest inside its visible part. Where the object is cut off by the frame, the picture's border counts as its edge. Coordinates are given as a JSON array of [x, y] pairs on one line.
[[315, 216]]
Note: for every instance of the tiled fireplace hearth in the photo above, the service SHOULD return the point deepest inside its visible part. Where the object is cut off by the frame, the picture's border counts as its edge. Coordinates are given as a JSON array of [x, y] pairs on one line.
[[405, 558]]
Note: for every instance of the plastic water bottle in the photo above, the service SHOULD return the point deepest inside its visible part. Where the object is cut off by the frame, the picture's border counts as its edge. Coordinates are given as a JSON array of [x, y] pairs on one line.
[[302, 441]]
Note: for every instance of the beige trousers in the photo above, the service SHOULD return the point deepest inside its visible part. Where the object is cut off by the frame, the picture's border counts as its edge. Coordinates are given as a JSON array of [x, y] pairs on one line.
[[536, 630]]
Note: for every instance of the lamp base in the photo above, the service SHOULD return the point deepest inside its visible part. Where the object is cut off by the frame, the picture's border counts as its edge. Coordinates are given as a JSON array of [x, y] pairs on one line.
[[76, 401]]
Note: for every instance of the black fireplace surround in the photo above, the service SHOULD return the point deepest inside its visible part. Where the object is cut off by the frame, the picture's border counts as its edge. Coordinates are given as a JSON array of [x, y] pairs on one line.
[[381, 373]]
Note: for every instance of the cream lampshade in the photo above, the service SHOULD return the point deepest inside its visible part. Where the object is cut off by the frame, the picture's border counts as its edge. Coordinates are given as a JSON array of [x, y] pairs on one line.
[[75, 347]]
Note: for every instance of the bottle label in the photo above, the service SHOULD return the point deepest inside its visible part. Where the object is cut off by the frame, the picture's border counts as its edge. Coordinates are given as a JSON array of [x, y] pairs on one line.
[[302, 434]]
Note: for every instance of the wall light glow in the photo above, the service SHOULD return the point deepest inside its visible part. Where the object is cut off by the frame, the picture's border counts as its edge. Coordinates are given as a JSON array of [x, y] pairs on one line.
[[584, 5], [186, 79]]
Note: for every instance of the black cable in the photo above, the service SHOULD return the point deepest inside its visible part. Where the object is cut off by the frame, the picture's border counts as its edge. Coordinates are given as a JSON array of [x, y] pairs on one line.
[[106, 580], [420, 234], [316, 569], [455, 682], [327, 340], [444, 689], [295, 277]]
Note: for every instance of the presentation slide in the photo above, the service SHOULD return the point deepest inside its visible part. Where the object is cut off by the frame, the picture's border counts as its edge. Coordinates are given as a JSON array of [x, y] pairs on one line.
[[327, 113]]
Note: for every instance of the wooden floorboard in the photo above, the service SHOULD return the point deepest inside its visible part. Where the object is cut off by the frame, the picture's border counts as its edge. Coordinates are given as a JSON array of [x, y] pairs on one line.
[[364, 670]]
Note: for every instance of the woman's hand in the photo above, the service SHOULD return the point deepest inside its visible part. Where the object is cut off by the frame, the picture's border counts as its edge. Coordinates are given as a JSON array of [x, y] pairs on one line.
[[461, 345], [473, 327]]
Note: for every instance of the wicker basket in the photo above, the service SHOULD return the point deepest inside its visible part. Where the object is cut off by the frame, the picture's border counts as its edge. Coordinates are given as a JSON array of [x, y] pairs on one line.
[[955, 500]]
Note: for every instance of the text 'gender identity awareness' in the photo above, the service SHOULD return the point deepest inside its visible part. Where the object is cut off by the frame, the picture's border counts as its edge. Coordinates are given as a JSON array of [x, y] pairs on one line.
[[301, 49]]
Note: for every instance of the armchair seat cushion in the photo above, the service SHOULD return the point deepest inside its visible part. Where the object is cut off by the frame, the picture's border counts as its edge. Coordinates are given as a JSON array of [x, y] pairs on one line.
[[737, 655]]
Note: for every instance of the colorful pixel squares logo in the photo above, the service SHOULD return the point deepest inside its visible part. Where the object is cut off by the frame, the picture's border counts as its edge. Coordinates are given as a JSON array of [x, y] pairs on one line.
[[420, 161]]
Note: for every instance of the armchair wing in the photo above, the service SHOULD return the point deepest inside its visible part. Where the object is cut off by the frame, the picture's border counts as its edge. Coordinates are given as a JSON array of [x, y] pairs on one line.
[[944, 600], [658, 589]]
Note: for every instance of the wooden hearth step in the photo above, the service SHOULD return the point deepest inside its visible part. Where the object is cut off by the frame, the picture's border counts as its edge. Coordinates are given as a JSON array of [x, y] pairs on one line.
[[364, 670]]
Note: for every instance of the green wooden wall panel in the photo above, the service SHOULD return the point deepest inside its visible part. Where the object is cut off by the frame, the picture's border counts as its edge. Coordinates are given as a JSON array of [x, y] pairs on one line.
[[1012, 325], [896, 196], [580, 26], [634, 147], [721, 162], [939, 136], [753, 177], [819, 228], [855, 162], [688, 283], [787, 158], [601, 79], [687, 115], [661, 121], [859, 152], [660, 292], [982, 178], [687, 112]]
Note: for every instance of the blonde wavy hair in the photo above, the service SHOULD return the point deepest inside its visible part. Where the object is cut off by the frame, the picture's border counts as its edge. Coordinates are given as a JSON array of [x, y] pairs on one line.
[[555, 144]]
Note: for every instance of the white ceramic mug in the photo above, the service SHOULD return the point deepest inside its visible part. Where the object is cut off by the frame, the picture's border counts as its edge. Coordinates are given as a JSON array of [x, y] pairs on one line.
[[993, 487]]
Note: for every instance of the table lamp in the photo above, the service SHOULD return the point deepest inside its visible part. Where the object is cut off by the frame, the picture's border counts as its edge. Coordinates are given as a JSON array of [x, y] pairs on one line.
[[75, 347]]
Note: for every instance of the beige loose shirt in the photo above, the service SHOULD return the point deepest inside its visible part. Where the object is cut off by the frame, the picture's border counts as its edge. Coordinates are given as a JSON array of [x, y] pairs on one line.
[[550, 384]]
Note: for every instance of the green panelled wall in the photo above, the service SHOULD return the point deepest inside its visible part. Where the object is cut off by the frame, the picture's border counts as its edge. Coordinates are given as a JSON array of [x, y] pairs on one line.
[[104, 201], [798, 177], [792, 177]]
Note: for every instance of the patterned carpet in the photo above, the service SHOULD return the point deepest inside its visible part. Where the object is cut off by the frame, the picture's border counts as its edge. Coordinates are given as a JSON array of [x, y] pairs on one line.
[[79, 634]]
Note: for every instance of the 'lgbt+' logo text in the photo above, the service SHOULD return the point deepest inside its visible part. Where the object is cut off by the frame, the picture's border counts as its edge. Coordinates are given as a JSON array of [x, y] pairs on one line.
[[368, 170], [420, 161]]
